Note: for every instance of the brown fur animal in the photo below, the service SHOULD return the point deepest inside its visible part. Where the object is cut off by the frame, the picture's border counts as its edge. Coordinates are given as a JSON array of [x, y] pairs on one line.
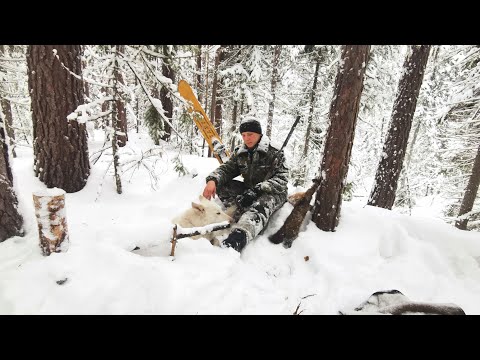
[[291, 227], [296, 197]]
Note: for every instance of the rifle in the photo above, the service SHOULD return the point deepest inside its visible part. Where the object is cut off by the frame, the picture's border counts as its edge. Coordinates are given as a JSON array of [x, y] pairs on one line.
[[289, 134], [275, 161]]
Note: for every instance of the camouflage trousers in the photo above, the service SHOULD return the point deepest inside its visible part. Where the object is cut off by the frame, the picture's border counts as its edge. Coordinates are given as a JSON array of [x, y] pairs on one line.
[[253, 218]]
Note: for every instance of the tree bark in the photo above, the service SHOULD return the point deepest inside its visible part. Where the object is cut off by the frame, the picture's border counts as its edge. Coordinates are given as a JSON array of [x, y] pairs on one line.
[[60, 145], [121, 127], [7, 110], [213, 106], [234, 125], [310, 113], [273, 86], [470, 193], [393, 154], [116, 124], [11, 221], [343, 117], [218, 99], [167, 103], [209, 151], [199, 74]]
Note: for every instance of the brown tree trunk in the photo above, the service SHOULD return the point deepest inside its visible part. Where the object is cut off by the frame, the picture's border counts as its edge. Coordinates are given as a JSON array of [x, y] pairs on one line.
[[167, 103], [391, 162], [343, 117], [209, 154], [121, 128], [213, 107], [7, 110], [60, 146], [218, 99], [273, 86], [105, 122], [86, 88], [137, 121], [234, 125], [199, 74], [310, 114], [11, 221], [470, 193], [116, 124], [6, 106]]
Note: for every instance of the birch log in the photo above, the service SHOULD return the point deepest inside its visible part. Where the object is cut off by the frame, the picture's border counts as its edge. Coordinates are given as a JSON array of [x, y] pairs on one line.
[[51, 218]]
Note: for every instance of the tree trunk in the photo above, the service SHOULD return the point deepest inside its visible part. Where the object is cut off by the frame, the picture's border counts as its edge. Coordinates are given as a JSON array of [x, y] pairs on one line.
[[343, 117], [86, 87], [6, 106], [60, 145], [218, 99], [393, 154], [310, 114], [470, 193], [273, 86], [105, 122], [7, 110], [199, 74], [121, 128], [11, 221], [209, 154], [213, 111], [167, 103], [116, 124], [234, 125], [137, 123]]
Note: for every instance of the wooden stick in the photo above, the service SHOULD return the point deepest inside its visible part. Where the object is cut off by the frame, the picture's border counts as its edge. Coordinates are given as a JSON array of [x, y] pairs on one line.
[[188, 232], [174, 240], [200, 231]]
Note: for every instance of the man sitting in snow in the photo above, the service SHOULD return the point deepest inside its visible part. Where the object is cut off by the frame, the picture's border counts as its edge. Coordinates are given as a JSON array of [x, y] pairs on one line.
[[264, 186]]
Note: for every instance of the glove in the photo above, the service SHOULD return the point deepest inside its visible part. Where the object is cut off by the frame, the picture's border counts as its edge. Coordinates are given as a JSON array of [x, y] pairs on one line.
[[263, 187], [247, 198]]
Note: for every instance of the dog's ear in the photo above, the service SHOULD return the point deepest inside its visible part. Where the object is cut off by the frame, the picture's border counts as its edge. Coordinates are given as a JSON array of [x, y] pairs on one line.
[[198, 207]]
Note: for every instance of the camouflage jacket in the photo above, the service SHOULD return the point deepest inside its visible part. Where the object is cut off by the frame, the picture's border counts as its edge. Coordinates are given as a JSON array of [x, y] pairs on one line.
[[259, 167]]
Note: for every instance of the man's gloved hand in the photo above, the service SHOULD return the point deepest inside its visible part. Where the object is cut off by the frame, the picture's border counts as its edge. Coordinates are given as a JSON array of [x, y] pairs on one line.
[[247, 198], [263, 187]]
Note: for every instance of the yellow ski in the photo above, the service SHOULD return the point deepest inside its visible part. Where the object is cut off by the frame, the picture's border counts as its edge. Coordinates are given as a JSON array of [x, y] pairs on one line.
[[203, 123]]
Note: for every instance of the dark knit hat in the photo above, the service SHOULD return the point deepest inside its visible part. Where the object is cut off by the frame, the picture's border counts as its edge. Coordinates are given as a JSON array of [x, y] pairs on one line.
[[251, 124]]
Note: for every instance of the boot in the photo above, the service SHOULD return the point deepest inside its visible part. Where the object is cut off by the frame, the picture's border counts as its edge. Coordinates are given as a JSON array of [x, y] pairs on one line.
[[237, 240]]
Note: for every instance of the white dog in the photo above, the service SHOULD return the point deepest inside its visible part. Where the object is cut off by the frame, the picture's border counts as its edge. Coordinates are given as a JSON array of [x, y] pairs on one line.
[[201, 214]]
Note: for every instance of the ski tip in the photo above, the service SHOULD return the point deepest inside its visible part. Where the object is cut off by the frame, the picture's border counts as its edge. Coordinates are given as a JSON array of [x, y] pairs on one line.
[[185, 90]]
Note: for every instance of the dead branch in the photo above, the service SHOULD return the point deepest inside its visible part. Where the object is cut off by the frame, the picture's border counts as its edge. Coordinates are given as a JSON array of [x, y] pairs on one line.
[[296, 310]]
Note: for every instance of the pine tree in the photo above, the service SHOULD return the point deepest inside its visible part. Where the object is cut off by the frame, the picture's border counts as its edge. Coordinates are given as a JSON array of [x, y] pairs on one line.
[[343, 117], [154, 123], [11, 221], [391, 162], [60, 145]]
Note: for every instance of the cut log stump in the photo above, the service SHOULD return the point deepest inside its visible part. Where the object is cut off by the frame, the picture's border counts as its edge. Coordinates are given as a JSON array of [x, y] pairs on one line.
[[51, 219]]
